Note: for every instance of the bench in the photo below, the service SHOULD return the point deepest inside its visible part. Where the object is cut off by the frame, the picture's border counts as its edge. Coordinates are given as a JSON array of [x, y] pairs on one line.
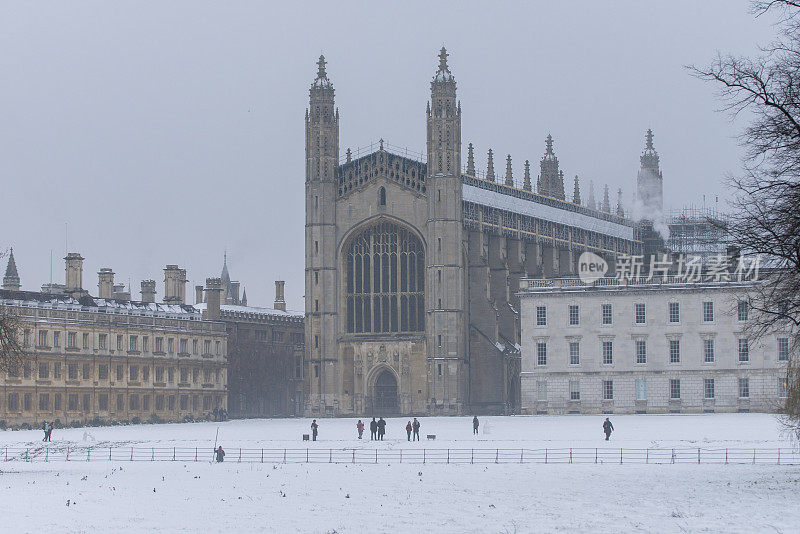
[[431, 436], [305, 437]]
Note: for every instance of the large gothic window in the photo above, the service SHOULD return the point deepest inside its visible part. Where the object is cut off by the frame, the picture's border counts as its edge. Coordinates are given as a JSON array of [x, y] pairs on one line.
[[385, 280]]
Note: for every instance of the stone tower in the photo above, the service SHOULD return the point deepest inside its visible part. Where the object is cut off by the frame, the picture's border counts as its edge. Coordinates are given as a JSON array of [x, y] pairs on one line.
[[322, 159], [174, 285], [444, 291], [105, 283], [649, 182], [11, 278], [551, 182]]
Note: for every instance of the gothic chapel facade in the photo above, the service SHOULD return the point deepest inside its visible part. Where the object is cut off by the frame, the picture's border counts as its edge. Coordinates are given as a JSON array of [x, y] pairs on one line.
[[412, 267]]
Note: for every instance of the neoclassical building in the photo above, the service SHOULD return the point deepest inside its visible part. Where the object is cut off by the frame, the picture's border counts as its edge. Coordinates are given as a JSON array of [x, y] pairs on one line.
[[109, 358], [660, 345], [413, 265]]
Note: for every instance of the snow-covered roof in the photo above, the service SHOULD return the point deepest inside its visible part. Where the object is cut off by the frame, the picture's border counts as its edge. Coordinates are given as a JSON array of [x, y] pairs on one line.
[[88, 303], [234, 309]]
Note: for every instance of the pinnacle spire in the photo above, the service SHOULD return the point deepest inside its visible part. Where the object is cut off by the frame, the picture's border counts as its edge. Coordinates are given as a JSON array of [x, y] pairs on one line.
[[548, 142], [606, 202], [490, 167], [321, 68], [470, 160], [11, 279], [509, 175], [443, 73], [591, 202], [527, 182], [620, 210], [649, 140], [576, 193]]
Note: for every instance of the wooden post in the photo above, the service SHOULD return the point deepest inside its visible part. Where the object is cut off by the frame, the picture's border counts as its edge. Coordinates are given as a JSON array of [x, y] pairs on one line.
[[284, 455], [88, 451], [26, 452], [497, 456], [330, 456], [448, 456], [152, 454], [472, 456], [195, 454], [240, 454], [779, 456], [754, 456], [131, 454], [698, 455], [595, 456], [521, 454], [570, 455], [647, 457], [109, 453], [726, 456], [354, 456], [173, 454], [376, 456], [306, 455], [262, 456], [545, 456], [620, 455], [423, 455]]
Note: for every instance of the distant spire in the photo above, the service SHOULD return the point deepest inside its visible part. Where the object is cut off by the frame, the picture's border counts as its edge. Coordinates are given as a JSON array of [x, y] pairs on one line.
[[591, 202], [527, 183], [649, 140], [443, 74], [576, 192], [349, 155], [490, 167], [470, 160], [226, 277], [551, 180], [11, 279], [606, 202], [509, 175], [244, 297], [620, 211], [321, 80]]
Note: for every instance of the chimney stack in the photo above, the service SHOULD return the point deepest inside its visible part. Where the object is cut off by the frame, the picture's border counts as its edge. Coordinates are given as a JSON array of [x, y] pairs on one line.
[[74, 274], [198, 294], [174, 285], [105, 284], [213, 294], [280, 303], [120, 293], [148, 291]]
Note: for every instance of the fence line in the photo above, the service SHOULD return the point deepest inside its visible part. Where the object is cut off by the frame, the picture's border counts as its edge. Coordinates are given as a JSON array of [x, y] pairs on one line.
[[777, 456]]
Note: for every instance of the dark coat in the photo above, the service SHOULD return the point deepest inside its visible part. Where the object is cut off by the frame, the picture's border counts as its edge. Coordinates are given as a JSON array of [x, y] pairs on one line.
[[607, 426], [381, 425], [416, 426], [373, 426]]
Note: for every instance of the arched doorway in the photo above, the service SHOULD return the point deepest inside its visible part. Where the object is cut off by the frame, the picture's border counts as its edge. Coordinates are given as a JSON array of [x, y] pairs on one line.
[[385, 397]]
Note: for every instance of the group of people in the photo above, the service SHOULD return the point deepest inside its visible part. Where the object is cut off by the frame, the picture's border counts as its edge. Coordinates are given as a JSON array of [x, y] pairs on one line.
[[47, 427], [219, 414]]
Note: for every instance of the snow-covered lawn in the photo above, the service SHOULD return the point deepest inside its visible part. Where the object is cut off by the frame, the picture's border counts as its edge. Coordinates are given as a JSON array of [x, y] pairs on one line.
[[244, 497]]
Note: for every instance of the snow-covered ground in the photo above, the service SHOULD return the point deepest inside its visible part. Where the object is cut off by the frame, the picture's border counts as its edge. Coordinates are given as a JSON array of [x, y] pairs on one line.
[[245, 497]]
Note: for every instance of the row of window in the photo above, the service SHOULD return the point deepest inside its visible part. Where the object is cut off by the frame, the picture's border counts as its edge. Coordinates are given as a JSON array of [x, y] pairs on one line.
[[84, 402], [83, 371], [277, 336], [709, 391], [607, 348], [134, 345], [640, 313]]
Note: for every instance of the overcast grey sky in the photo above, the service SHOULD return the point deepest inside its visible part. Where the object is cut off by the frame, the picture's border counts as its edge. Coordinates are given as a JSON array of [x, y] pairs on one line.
[[166, 132]]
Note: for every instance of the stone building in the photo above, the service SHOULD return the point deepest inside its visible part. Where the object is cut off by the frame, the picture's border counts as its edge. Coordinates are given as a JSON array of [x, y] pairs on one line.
[[654, 346], [111, 359], [265, 350], [413, 264]]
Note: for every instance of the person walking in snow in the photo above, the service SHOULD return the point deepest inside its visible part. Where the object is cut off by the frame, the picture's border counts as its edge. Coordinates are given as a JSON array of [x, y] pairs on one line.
[[415, 426], [44, 429], [314, 427], [381, 428], [50, 427], [220, 454], [373, 430], [360, 427], [408, 430], [607, 428], [475, 424]]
